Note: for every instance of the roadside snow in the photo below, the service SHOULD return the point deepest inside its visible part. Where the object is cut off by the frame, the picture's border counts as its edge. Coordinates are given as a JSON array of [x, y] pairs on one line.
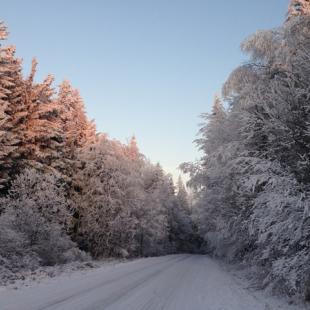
[[32, 278]]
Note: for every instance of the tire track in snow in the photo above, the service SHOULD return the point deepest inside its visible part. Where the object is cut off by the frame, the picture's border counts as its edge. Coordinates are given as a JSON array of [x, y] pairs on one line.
[[59, 303]]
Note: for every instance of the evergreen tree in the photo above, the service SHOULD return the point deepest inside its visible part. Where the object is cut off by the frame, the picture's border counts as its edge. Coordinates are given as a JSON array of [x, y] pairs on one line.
[[153, 230], [43, 136], [132, 149], [182, 234], [12, 111], [212, 130], [79, 131]]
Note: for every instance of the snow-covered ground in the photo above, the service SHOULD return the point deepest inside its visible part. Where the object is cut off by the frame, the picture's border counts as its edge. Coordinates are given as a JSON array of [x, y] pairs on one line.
[[176, 282]]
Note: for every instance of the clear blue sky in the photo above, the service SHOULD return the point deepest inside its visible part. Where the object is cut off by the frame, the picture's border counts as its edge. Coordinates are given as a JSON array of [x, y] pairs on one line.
[[143, 67]]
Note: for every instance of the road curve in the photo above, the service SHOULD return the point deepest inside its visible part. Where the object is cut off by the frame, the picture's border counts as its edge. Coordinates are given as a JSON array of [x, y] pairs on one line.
[[174, 282]]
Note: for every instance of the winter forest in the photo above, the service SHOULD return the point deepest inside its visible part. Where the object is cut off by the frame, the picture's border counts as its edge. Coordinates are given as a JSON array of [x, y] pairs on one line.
[[252, 184], [69, 193]]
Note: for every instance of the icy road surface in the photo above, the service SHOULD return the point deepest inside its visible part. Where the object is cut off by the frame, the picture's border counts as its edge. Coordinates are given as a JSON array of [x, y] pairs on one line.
[[170, 282]]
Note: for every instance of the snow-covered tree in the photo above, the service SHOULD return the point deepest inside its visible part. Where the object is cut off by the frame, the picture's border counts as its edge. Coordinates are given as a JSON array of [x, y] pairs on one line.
[[153, 230], [79, 131], [122, 202], [252, 184], [212, 130], [105, 225], [32, 225], [12, 111], [182, 230], [299, 8], [42, 133], [43, 191], [132, 149], [59, 180]]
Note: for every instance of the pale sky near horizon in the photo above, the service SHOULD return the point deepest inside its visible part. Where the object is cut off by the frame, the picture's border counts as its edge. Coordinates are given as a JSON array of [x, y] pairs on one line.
[[143, 67]]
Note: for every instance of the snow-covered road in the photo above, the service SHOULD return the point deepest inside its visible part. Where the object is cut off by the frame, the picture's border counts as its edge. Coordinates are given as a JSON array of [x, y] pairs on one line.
[[170, 282]]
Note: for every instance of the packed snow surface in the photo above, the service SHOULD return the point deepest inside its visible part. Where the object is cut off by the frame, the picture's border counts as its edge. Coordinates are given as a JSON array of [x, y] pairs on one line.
[[191, 282]]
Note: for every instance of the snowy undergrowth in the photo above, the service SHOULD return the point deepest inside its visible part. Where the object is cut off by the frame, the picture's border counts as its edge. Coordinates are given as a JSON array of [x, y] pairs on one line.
[[16, 280], [249, 277]]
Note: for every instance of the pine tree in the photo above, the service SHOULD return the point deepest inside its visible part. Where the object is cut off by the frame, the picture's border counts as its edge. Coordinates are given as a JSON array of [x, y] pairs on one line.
[[12, 112], [153, 226], [181, 228], [43, 135], [212, 130], [78, 129], [132, 149], [182, 195]]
